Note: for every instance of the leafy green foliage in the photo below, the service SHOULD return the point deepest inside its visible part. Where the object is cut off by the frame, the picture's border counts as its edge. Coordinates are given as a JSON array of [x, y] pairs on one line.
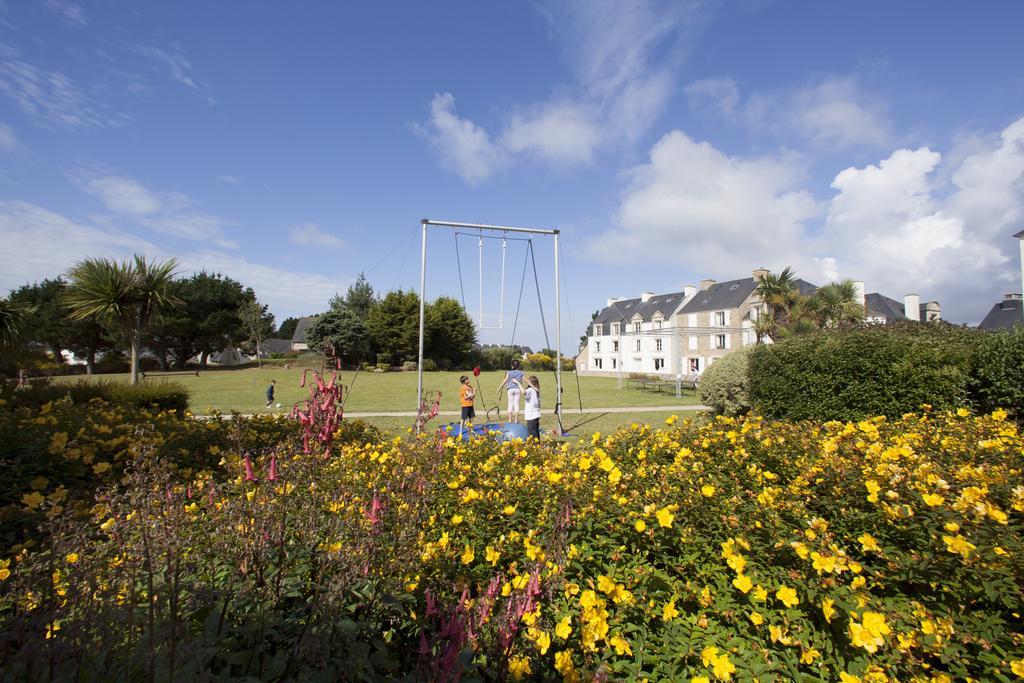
[[340, 332], [999, 371], [393, 324], [871, 370], [160, 395], [287, 328], [725, 385], [450, 334]]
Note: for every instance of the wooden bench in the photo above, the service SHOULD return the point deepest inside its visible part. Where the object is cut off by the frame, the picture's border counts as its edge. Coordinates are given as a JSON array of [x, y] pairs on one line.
[[142, 375]]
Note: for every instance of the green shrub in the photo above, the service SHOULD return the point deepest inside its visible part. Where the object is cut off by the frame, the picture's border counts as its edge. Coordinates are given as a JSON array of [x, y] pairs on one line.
[[357, 432], [429, 365], [725, 385], [999, 371], [161, 395], [870, 370]]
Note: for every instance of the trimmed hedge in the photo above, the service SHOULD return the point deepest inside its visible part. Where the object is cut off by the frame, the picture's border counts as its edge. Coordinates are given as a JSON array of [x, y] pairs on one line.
[[725, 385], [999, 371], [161, 395], [871, 370]]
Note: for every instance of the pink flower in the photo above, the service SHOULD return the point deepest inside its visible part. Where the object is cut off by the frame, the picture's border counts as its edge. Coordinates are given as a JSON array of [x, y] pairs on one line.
[[249, 476], [272, 474]]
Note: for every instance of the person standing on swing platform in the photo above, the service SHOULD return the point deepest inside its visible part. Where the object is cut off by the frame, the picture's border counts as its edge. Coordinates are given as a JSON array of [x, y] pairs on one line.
[[532, 407], [514, 381]]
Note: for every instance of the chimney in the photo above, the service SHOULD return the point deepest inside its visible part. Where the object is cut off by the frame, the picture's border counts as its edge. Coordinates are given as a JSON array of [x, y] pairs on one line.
[[688, 292], [706, 284], [645, 297], [612, 300], [932, 311], [759, 273], [1012, 297], [912, 307], [858, 285]]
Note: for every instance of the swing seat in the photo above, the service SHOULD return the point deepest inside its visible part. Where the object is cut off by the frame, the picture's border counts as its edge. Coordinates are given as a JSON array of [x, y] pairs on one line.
[[502, 431]]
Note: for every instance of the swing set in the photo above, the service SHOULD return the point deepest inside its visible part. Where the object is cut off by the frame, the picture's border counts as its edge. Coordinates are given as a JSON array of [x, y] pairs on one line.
[[428, 404]]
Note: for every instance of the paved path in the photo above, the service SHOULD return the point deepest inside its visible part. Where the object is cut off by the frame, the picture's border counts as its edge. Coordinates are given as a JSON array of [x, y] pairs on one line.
[[565, 411]]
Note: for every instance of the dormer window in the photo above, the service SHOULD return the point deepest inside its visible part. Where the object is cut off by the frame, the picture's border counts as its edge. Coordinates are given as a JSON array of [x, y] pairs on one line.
[[719, 318], [598, 329], [615, 328], [636, 328]]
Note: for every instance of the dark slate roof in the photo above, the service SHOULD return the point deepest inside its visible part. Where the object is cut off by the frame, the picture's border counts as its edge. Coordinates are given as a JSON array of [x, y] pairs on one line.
[[277, 345], [623, 311], [725, 295], [299, 336], [881, 306], [1004, 315]]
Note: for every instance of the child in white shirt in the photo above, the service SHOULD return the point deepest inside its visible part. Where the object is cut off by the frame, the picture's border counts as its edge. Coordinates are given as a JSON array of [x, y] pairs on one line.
[[532, 405]]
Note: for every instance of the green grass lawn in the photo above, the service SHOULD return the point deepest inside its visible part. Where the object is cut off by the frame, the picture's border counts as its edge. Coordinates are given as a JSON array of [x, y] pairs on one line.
[[243, 390]]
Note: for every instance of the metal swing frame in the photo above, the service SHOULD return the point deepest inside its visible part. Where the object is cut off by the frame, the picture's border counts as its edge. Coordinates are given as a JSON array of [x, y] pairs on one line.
[[428, 223]]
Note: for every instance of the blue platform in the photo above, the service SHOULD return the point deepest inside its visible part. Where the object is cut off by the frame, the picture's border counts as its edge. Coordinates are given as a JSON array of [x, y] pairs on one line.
[[502, 431]]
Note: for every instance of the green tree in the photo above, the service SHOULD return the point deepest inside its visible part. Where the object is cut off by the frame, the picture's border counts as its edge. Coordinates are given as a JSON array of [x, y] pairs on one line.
[[393, 324], [450, 333], [360, 297], [206, 321], [341, 333], [775, 290], [257, 324], [127, 294], [837, 304], [287, 328], [13, 316]]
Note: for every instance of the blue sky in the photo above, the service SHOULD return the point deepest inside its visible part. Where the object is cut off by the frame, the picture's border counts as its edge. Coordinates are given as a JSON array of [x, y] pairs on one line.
[[293, 145]]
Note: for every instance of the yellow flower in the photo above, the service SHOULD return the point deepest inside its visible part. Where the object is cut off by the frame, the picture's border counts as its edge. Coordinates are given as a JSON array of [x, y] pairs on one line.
[[669, 611], [564, 627], [492, 555], [868, 543], [958, 545], [39, 483], [932, 499], [707, 490], [543, 641], [563, 664], [671, 420], [1017, 667], [519, 667], [457, 519], [468, 555], [828, 609], [615, 475], [71, 558], [756, 618], [640, 525], [57, 442], [519, 582], [743, 583], [554, 477], [848, 678], [760, 593], [787, 596], [108, 525], [101, 467], [509, 510], [621, 645], [32, 500], [809, 656], [665, 517], [870, 632], [951, 527], [605, 584]]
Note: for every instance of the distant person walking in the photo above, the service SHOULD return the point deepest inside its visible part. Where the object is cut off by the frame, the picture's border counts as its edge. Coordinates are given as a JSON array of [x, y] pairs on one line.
[[514, 382], [532, 405], [466, 397], [270, 392]]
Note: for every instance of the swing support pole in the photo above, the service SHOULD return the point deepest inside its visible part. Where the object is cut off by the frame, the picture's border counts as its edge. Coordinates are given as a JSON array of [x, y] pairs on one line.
[[426, 222]]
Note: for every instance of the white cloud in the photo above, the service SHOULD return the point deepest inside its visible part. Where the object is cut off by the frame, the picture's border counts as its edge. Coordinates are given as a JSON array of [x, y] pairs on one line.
[[8, 141], [229, 179], [40, 243], [623, 57], [719, 96], [694, 205], [69, 12], [310, 235], [900, 225], [176, 62], [170, 213], [561, 133], [833, 114], [465, 148], [50, 97]]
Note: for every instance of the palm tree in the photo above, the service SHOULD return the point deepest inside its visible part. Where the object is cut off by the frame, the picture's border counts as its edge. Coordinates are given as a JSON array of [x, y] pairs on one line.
[[774, 290], [126, 293], [837, 304], [12, 320]]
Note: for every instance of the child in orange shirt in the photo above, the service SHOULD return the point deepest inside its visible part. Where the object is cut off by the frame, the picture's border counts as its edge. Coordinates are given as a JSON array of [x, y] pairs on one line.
[[466, 396]]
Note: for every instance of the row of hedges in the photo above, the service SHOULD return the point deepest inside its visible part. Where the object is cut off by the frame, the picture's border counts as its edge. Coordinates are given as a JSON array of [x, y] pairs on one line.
[[738, 549], [871, 370], [159, 395]]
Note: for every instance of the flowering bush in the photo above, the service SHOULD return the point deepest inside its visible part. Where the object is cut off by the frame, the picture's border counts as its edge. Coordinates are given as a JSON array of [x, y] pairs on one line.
[[735, 549]]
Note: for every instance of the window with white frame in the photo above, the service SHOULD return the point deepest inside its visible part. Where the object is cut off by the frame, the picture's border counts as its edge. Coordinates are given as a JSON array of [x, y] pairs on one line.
[[719, 341], [659, 364], [636, 328], [598, 329], [613, 363], [597, 363], [637, 344], [658, 323], [597, 347], [719, 318], [615, 346], [657, 345], [615, 328]]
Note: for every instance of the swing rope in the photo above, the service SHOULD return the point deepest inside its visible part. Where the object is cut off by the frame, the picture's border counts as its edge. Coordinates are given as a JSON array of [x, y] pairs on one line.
[[458, 261]]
